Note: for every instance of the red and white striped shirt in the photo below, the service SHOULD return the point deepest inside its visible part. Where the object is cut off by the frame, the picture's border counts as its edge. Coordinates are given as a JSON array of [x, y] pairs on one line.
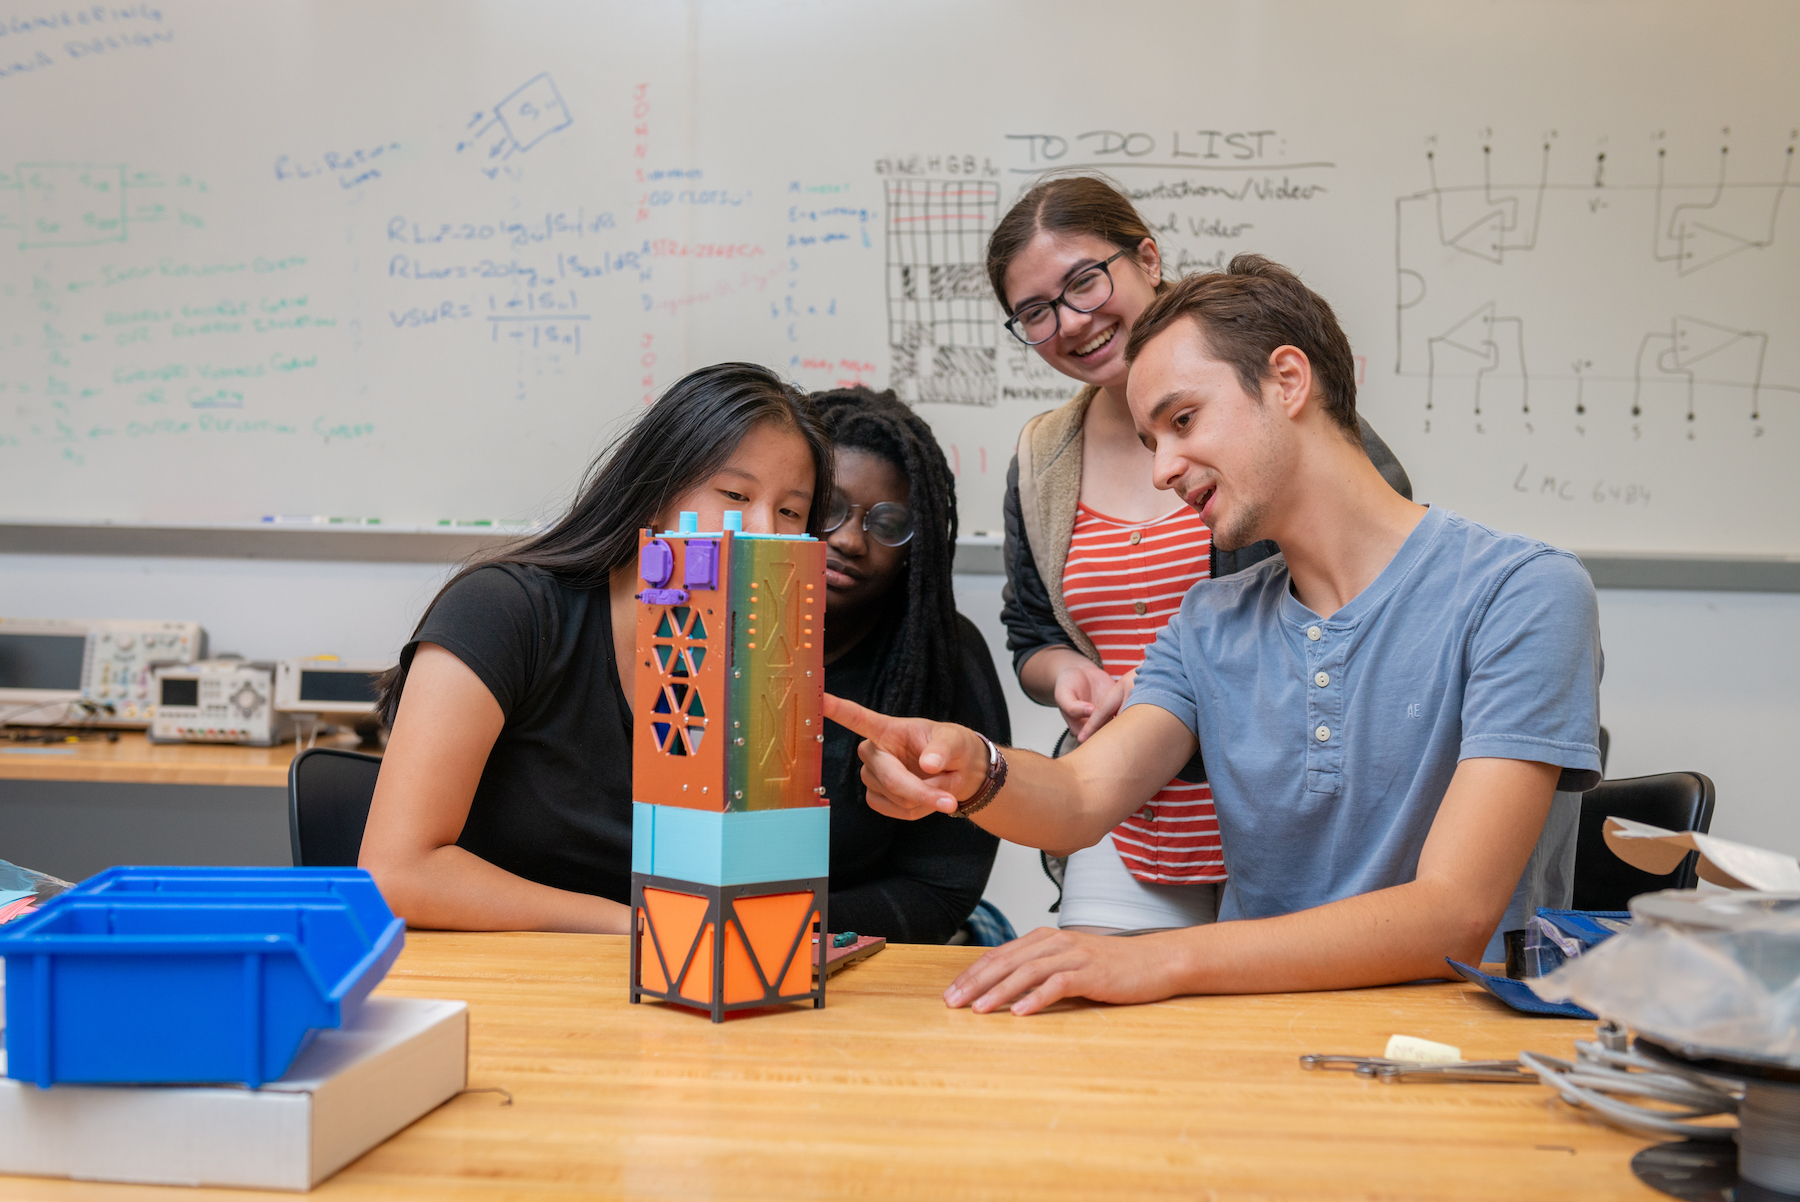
[[1122, 583]]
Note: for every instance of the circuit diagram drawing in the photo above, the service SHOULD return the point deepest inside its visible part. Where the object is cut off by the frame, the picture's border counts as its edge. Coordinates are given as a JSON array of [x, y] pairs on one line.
[[1493, 346], [1479, 220], [1732, 220], [533, 112], [941, 316], [1522, 286], [1695, 351]]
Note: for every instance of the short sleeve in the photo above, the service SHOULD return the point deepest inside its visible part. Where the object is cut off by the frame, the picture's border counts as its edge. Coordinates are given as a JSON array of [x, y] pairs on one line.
[[1163, 679], [1534, 665], [493, 622]]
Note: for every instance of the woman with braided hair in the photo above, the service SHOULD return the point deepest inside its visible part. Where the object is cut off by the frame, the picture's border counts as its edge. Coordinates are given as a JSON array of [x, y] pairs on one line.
[[894, 642]]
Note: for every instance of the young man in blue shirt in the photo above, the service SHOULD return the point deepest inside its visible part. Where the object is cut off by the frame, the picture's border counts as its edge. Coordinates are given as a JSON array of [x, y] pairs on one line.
[[1387, 709]]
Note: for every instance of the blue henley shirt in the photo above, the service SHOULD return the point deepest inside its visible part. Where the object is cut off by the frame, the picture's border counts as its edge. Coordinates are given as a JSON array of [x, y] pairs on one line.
[[1330, 742]]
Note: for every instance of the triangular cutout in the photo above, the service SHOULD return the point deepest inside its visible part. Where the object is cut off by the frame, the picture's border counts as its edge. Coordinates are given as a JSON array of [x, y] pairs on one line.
[[781, 655], [774, 923], [676, 919], [681, 617], [696, 657], [663, 705], [665, 629], [741, 982], [694, 734], [695, 709], [663, 653], [699, 630], [697, 985]]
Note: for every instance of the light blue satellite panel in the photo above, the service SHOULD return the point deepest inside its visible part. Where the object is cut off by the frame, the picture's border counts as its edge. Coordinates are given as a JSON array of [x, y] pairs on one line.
[[734, 848]]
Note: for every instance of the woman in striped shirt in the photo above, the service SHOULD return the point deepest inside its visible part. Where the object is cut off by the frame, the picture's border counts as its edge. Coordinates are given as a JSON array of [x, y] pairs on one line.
[[1097, 557]]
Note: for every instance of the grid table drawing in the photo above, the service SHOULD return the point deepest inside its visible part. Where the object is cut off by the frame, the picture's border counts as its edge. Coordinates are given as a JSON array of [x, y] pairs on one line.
[[942, 320]]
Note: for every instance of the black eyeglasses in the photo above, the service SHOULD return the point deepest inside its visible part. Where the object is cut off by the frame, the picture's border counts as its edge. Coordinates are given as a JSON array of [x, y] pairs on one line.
[[887, 522], [1038, 321]]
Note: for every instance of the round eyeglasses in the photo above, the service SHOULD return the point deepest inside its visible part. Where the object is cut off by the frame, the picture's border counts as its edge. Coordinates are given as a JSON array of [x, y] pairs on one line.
[[1091, 287], [887, 522]]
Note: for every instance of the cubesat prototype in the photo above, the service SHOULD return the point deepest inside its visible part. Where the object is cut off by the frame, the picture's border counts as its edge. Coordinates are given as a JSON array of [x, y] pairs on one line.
[[731, 832]]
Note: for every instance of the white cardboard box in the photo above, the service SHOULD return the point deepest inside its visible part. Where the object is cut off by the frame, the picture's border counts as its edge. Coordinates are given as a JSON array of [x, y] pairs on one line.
[[347, 1091]]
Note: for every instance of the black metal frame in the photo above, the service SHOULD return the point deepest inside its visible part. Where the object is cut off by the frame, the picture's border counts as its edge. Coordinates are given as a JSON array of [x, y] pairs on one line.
[[721, 908]]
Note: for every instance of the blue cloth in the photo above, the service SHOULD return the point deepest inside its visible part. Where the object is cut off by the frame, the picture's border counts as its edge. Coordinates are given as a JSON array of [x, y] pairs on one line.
[[988, 927], [1470, 643], [1518, 995]]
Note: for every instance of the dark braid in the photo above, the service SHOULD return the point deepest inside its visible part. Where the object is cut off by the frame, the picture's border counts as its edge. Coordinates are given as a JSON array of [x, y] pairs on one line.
[[918, 670]]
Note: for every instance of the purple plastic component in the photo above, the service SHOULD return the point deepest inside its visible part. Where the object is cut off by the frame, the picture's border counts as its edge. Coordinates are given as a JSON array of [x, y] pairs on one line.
[[656, 562], [663, 596], [702, 567]]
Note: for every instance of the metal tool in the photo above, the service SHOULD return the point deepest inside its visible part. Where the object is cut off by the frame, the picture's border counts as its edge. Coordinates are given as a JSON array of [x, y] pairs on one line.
[[1382, 1069]]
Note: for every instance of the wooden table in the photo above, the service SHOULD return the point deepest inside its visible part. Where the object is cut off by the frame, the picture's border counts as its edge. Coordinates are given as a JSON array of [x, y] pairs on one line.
[[134, 759], [71, 809], [888, 1094]]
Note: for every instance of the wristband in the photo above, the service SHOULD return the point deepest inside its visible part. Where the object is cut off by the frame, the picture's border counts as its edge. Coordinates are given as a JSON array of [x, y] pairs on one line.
[[990, 787]]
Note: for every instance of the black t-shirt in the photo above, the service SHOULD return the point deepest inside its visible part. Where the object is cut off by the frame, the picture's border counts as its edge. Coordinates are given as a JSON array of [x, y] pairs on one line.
[[914, 882], [554, 802]]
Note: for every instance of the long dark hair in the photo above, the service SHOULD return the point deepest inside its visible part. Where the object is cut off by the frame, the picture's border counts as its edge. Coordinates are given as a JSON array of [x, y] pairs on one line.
[[1065, 204], [681, 440], [919, 668]]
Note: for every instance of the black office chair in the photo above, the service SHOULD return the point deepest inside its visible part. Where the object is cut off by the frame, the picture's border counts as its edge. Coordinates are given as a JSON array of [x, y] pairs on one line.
[[1676, 801], [329, 792]]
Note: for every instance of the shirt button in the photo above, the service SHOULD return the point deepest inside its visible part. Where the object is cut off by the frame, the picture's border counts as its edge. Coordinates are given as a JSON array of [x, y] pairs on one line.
[[1138, 606], [1323, 733], [1137, 536], [1314, 633], [1322, 679]]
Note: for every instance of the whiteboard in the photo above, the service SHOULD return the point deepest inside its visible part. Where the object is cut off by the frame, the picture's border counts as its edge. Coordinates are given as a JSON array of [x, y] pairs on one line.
[[418, 262]]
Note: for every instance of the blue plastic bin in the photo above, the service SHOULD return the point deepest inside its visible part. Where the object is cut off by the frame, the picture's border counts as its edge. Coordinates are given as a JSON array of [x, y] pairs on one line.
[[162, 975]]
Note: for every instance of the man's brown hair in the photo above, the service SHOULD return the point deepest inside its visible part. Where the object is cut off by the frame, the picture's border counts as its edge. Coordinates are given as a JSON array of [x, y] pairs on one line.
[[1244, 313]]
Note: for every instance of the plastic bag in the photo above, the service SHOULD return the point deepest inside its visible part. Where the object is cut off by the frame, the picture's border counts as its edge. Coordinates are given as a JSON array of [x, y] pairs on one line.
[[1708, 974], [23, 890]]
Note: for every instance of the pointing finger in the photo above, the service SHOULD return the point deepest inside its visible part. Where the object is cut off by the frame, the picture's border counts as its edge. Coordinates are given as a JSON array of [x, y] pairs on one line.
[[865, 722]]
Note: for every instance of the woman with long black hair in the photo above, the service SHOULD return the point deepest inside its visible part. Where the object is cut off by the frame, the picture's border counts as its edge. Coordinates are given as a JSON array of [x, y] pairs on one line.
[[504, 801], [894, 642]]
